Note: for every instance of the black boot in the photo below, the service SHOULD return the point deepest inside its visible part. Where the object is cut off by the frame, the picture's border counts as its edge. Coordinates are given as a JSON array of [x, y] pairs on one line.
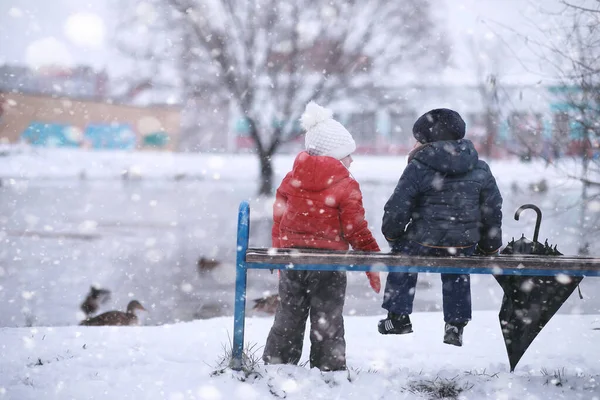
[[395, 324], [453, 333]]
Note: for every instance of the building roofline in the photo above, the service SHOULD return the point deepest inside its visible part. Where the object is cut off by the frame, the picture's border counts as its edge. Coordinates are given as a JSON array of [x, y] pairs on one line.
[[90, 99]]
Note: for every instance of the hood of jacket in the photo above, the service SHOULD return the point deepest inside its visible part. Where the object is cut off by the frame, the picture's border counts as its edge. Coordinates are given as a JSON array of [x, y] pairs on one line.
[[316, 173], [450, 157]]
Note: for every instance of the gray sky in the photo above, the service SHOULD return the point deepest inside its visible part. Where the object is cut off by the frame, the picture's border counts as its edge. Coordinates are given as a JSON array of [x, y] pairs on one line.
[[70, 31], [75, 32]]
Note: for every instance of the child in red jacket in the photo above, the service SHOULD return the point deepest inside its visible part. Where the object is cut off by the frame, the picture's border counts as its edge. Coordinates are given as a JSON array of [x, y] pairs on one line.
[[318, 205]]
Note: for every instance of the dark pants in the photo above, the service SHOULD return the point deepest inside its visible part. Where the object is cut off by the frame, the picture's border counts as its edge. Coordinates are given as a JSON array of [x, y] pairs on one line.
[[456, 289], [321, 295]]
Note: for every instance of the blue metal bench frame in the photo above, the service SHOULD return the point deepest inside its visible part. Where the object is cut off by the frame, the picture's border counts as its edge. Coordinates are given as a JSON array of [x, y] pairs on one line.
[[282, 259]]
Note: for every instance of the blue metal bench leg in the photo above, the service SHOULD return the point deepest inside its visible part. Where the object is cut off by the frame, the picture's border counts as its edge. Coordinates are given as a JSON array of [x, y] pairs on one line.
[[243, 235]]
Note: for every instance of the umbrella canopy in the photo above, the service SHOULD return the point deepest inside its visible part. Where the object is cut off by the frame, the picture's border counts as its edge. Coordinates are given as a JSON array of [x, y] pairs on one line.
[[529, 302]]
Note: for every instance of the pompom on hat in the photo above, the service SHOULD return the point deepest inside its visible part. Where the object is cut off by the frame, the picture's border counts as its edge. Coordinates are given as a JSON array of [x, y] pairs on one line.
[[324, 135], [439, 124]]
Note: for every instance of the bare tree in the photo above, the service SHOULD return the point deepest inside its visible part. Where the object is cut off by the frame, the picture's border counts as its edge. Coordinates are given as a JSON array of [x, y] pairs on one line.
[[571, 49], [269, 58], [151, 55], [487, 58], [583, 98]]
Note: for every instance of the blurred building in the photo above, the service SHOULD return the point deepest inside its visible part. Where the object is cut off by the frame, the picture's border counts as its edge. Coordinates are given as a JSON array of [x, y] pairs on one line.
[[82, 107], [80, 82], [57, 121], [75, 107], [524, 120]]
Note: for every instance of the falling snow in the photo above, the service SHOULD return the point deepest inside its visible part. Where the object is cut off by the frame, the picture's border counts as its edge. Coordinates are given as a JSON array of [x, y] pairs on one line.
[[161, 227]]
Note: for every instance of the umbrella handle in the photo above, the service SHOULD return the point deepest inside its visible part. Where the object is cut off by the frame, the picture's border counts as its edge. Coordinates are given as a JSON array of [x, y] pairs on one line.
[[538, 221]]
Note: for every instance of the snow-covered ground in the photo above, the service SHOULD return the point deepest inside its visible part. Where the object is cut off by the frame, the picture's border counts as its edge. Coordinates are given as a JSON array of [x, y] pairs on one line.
[[68, 219], [181, 361], [72, 218]]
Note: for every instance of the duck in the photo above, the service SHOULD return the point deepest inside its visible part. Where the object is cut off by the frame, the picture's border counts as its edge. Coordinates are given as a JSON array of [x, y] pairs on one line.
[[207, 264], [116, 318], [93, 300], [539, 187], [267, 304]]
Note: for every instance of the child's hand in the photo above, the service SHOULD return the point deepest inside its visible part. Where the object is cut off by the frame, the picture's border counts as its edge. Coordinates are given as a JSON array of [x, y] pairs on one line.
[[374, 281]]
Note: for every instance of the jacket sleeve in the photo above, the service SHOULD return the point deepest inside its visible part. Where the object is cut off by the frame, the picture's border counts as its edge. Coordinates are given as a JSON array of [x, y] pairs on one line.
[[355, 228], [397, 212], [490, 205], [279, 207]]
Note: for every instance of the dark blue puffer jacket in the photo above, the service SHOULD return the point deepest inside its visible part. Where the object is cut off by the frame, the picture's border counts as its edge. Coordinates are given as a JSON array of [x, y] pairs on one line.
[[447, 197]]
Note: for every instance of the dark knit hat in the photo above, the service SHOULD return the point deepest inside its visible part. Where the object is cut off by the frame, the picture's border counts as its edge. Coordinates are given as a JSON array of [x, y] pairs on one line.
[[439, 124]]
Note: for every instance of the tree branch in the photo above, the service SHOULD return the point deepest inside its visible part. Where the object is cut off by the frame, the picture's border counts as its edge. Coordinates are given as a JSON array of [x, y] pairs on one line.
[[580, 8]]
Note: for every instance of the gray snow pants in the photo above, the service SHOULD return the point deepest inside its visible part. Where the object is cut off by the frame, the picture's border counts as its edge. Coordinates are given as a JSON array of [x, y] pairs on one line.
[[320, 294]]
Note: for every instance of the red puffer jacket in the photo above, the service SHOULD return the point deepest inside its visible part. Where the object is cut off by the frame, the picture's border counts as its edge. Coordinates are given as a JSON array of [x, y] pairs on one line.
[[318, 205]]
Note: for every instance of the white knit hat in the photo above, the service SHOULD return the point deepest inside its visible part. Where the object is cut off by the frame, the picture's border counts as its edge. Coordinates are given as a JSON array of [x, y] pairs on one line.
[[324, 135]]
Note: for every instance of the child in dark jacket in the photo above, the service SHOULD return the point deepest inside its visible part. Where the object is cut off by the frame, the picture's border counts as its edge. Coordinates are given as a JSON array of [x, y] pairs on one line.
[[318, 205], [446, 203]]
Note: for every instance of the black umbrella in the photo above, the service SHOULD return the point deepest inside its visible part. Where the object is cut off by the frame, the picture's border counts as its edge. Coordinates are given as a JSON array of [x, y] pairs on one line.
[[529, 301]]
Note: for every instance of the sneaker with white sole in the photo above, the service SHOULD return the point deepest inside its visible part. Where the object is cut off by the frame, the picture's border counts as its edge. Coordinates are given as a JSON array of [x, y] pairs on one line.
[[395, 324]]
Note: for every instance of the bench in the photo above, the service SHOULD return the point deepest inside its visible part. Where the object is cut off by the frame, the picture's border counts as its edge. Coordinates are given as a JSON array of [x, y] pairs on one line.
[[327, 260]]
